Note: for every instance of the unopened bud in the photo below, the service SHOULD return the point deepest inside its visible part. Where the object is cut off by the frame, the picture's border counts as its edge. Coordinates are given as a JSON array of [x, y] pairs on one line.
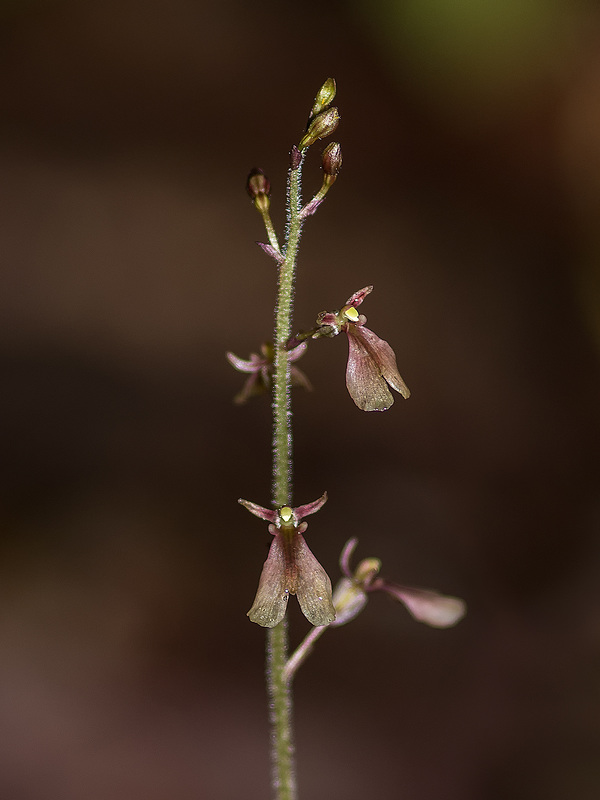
[[332, 162], [324, 97], [259, 187], [257, 183], [322, 125]]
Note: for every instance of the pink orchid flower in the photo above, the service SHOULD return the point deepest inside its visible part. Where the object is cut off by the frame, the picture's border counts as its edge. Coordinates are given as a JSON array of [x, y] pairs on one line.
[[261, 368], [290, 568], [372, 364], [425, 605]]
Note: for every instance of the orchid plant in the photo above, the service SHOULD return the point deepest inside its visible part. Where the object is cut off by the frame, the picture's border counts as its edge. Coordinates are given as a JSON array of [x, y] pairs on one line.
[[291, 568]]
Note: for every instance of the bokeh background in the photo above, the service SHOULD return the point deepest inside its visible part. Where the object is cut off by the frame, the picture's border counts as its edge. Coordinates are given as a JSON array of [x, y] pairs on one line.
[[470, 198]]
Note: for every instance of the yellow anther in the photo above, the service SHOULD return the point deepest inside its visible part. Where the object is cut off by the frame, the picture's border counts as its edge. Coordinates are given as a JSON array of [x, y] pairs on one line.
[[367, 569], [350, 313], [286, 514]]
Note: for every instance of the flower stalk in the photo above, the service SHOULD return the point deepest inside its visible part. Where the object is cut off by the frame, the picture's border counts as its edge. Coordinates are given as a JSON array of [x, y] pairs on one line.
[[282, 429], [280, 697], [302, 652], [290, 567]]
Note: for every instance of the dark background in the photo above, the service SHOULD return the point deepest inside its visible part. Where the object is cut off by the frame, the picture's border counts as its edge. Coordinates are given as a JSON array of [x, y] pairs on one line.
[[470, 198]]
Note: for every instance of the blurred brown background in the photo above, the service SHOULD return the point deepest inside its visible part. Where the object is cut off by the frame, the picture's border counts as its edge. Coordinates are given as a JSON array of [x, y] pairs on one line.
[[470, 198]]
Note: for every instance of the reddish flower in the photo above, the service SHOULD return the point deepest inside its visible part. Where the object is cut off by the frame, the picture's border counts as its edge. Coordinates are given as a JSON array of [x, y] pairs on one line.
[[351, 594], [260, 368], [290, 568], [371, 361]]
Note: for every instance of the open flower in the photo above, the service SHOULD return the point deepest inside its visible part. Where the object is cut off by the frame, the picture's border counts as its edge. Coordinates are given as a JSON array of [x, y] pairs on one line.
[[371, 361], [261, 368], [351, 594], [290, 568]]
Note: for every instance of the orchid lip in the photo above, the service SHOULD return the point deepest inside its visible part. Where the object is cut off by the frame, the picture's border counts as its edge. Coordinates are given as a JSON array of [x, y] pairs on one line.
[[291, 568]]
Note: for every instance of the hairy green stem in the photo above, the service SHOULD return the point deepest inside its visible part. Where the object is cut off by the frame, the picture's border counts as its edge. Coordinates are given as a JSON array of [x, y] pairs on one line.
[[280, 714], [282, 415], [280, 698]]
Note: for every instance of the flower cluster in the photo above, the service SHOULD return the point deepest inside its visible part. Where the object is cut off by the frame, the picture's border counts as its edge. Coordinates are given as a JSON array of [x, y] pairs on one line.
[[371, 372], [290, 568]]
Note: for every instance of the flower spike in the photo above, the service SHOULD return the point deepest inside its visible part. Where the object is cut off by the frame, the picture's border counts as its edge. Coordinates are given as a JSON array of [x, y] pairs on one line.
[[290, 568]]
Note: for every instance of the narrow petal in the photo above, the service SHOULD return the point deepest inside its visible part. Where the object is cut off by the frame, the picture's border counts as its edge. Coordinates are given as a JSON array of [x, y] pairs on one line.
[[272, 596], [357, 298], [295, 353], [269, 514], [346, 556], [310, 508], [244, 366], [363, 377], [383, 354], [314, 587], [437, 610], [252, 386], [300, 379]]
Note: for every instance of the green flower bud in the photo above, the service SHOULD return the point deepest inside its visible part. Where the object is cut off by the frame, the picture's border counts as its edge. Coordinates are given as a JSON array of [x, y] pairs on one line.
[[322, 125], [324, 97], [257, 183], [259, 188]]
